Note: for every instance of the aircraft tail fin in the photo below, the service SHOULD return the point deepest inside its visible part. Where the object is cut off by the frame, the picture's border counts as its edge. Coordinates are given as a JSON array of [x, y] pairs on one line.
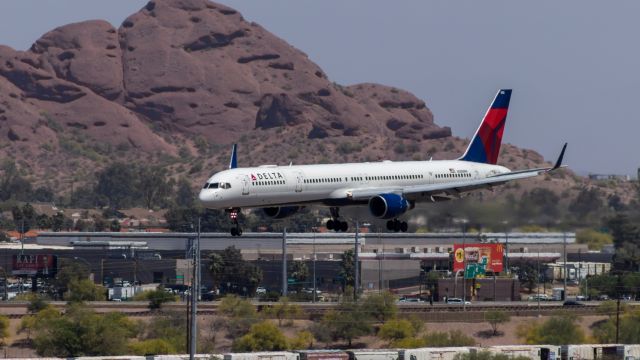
[[485, 144], [233, 162]]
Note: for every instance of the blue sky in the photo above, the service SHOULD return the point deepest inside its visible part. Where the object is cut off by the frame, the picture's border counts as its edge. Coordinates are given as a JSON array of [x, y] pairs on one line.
[[573, 64]]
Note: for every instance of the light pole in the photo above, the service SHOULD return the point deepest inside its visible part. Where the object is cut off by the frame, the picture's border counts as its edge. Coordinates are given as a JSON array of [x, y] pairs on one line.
[[506, 244], [464, 222]]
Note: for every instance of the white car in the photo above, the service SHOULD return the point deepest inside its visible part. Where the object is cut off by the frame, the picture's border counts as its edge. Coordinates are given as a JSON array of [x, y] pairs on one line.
[[260, 290], [457, 301]]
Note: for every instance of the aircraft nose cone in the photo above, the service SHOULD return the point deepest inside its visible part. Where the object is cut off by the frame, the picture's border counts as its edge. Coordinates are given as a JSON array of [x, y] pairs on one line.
[[203, 197]]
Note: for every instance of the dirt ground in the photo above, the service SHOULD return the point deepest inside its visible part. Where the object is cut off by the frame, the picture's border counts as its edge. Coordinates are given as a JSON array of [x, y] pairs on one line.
[[222, 344]]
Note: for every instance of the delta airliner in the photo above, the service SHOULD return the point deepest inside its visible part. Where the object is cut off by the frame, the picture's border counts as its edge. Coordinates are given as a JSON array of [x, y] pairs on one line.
[[389, 189]]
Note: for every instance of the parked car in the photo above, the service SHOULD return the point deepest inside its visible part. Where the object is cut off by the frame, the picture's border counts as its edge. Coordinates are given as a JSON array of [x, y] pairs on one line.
[[542, 297], [572, 303], [457, 301], [261, 290]]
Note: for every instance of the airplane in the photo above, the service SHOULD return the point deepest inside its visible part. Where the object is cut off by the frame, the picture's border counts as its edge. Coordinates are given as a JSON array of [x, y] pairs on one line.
[[388, 188]]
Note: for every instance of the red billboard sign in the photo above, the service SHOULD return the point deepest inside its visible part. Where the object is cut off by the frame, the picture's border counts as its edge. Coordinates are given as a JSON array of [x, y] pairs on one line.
[[476, 254], [44, 265]]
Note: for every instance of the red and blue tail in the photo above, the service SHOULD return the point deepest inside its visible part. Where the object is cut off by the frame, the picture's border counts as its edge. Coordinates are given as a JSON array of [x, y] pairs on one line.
[[485, 144]]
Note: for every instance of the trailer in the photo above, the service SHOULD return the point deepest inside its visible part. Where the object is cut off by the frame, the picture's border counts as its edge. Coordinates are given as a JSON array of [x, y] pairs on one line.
[[272, 355], [541, 352], [373, 354], [444, 353], [323, 355]]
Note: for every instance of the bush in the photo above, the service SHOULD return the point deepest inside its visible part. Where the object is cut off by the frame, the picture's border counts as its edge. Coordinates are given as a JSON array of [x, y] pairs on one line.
[[263, 336], [394, 330], [4, 329], [381, 307], [495, 318], [557, 330], [152, 347]]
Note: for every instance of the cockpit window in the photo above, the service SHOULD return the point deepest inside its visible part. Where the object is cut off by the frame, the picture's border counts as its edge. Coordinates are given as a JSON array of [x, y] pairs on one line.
[[211, 186], [225, 186]]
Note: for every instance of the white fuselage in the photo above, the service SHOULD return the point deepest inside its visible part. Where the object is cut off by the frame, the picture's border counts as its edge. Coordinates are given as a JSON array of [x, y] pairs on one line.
[[267, 186]]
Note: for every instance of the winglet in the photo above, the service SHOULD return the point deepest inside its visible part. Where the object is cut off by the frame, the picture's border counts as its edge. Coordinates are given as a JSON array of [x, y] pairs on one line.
[[233, 163], [559, 161]]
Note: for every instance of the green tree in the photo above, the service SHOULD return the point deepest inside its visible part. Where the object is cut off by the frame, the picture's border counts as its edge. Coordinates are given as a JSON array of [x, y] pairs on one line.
[[595, 240], [239, 315], [12, 184], [347, 321], [381, 306], [263, 336], [299, 272], [588, 201], [495, 318], [69, 270], [557, 330], [605, 332], [170, 327], [347, 269], [81, 332], [117, 184], [4, 329], [57, 222], [185, 197], [528, 275], [158, 297], [80, 290], [24, 217], [152, 185], [238, 276], [114, 226], [284, 310]]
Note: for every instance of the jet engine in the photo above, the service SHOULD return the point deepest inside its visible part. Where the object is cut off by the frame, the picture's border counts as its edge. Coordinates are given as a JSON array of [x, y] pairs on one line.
[[388, 206], [281, 212]]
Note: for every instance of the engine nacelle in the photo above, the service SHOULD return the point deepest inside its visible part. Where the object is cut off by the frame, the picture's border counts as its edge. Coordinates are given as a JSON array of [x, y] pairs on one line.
[[388, 206], [281, 212]]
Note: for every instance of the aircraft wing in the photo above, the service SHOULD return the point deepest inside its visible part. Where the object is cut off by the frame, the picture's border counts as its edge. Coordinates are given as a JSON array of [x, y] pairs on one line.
[[453, 189]]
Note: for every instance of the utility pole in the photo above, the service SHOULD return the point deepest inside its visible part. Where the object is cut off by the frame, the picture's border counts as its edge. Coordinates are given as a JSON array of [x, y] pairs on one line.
[[284, 262], [538, 282], [618, 285], [564, 242], [464, 262], [356, 258], [506, 245], [195, 290], [314, 264]]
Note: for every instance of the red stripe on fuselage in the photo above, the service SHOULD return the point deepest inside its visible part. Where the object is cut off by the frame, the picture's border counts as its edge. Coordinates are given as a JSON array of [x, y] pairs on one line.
[[491, 133]]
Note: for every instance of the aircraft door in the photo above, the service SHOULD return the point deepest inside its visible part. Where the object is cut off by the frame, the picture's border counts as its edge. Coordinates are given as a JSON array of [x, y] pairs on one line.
[[299, 181], [245, 185]]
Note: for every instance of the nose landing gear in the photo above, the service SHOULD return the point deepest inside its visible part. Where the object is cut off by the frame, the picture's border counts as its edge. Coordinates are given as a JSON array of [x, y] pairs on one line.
[[236, 230], [335, 224], [397, 225]]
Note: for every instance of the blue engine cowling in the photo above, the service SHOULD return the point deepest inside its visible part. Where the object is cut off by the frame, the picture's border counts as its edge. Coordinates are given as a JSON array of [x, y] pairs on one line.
[[281, 212], [388, 206]]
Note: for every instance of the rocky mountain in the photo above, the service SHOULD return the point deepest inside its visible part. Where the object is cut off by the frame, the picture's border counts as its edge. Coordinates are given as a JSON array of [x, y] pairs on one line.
[[179, 81]]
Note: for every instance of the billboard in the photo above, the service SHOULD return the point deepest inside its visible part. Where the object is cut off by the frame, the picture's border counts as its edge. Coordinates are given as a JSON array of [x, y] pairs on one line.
[[32, 265], [490, 254]]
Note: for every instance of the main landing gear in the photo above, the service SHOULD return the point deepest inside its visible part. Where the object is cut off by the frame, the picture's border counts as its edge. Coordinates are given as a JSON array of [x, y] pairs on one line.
[[335, 224], [397, 225], [235, 229]]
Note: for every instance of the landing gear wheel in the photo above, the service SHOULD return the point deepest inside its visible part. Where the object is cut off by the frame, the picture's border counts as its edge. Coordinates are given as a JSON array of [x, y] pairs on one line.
[[330, 225], [334, 223], [233, 215], [390, 225], [404, 227]]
